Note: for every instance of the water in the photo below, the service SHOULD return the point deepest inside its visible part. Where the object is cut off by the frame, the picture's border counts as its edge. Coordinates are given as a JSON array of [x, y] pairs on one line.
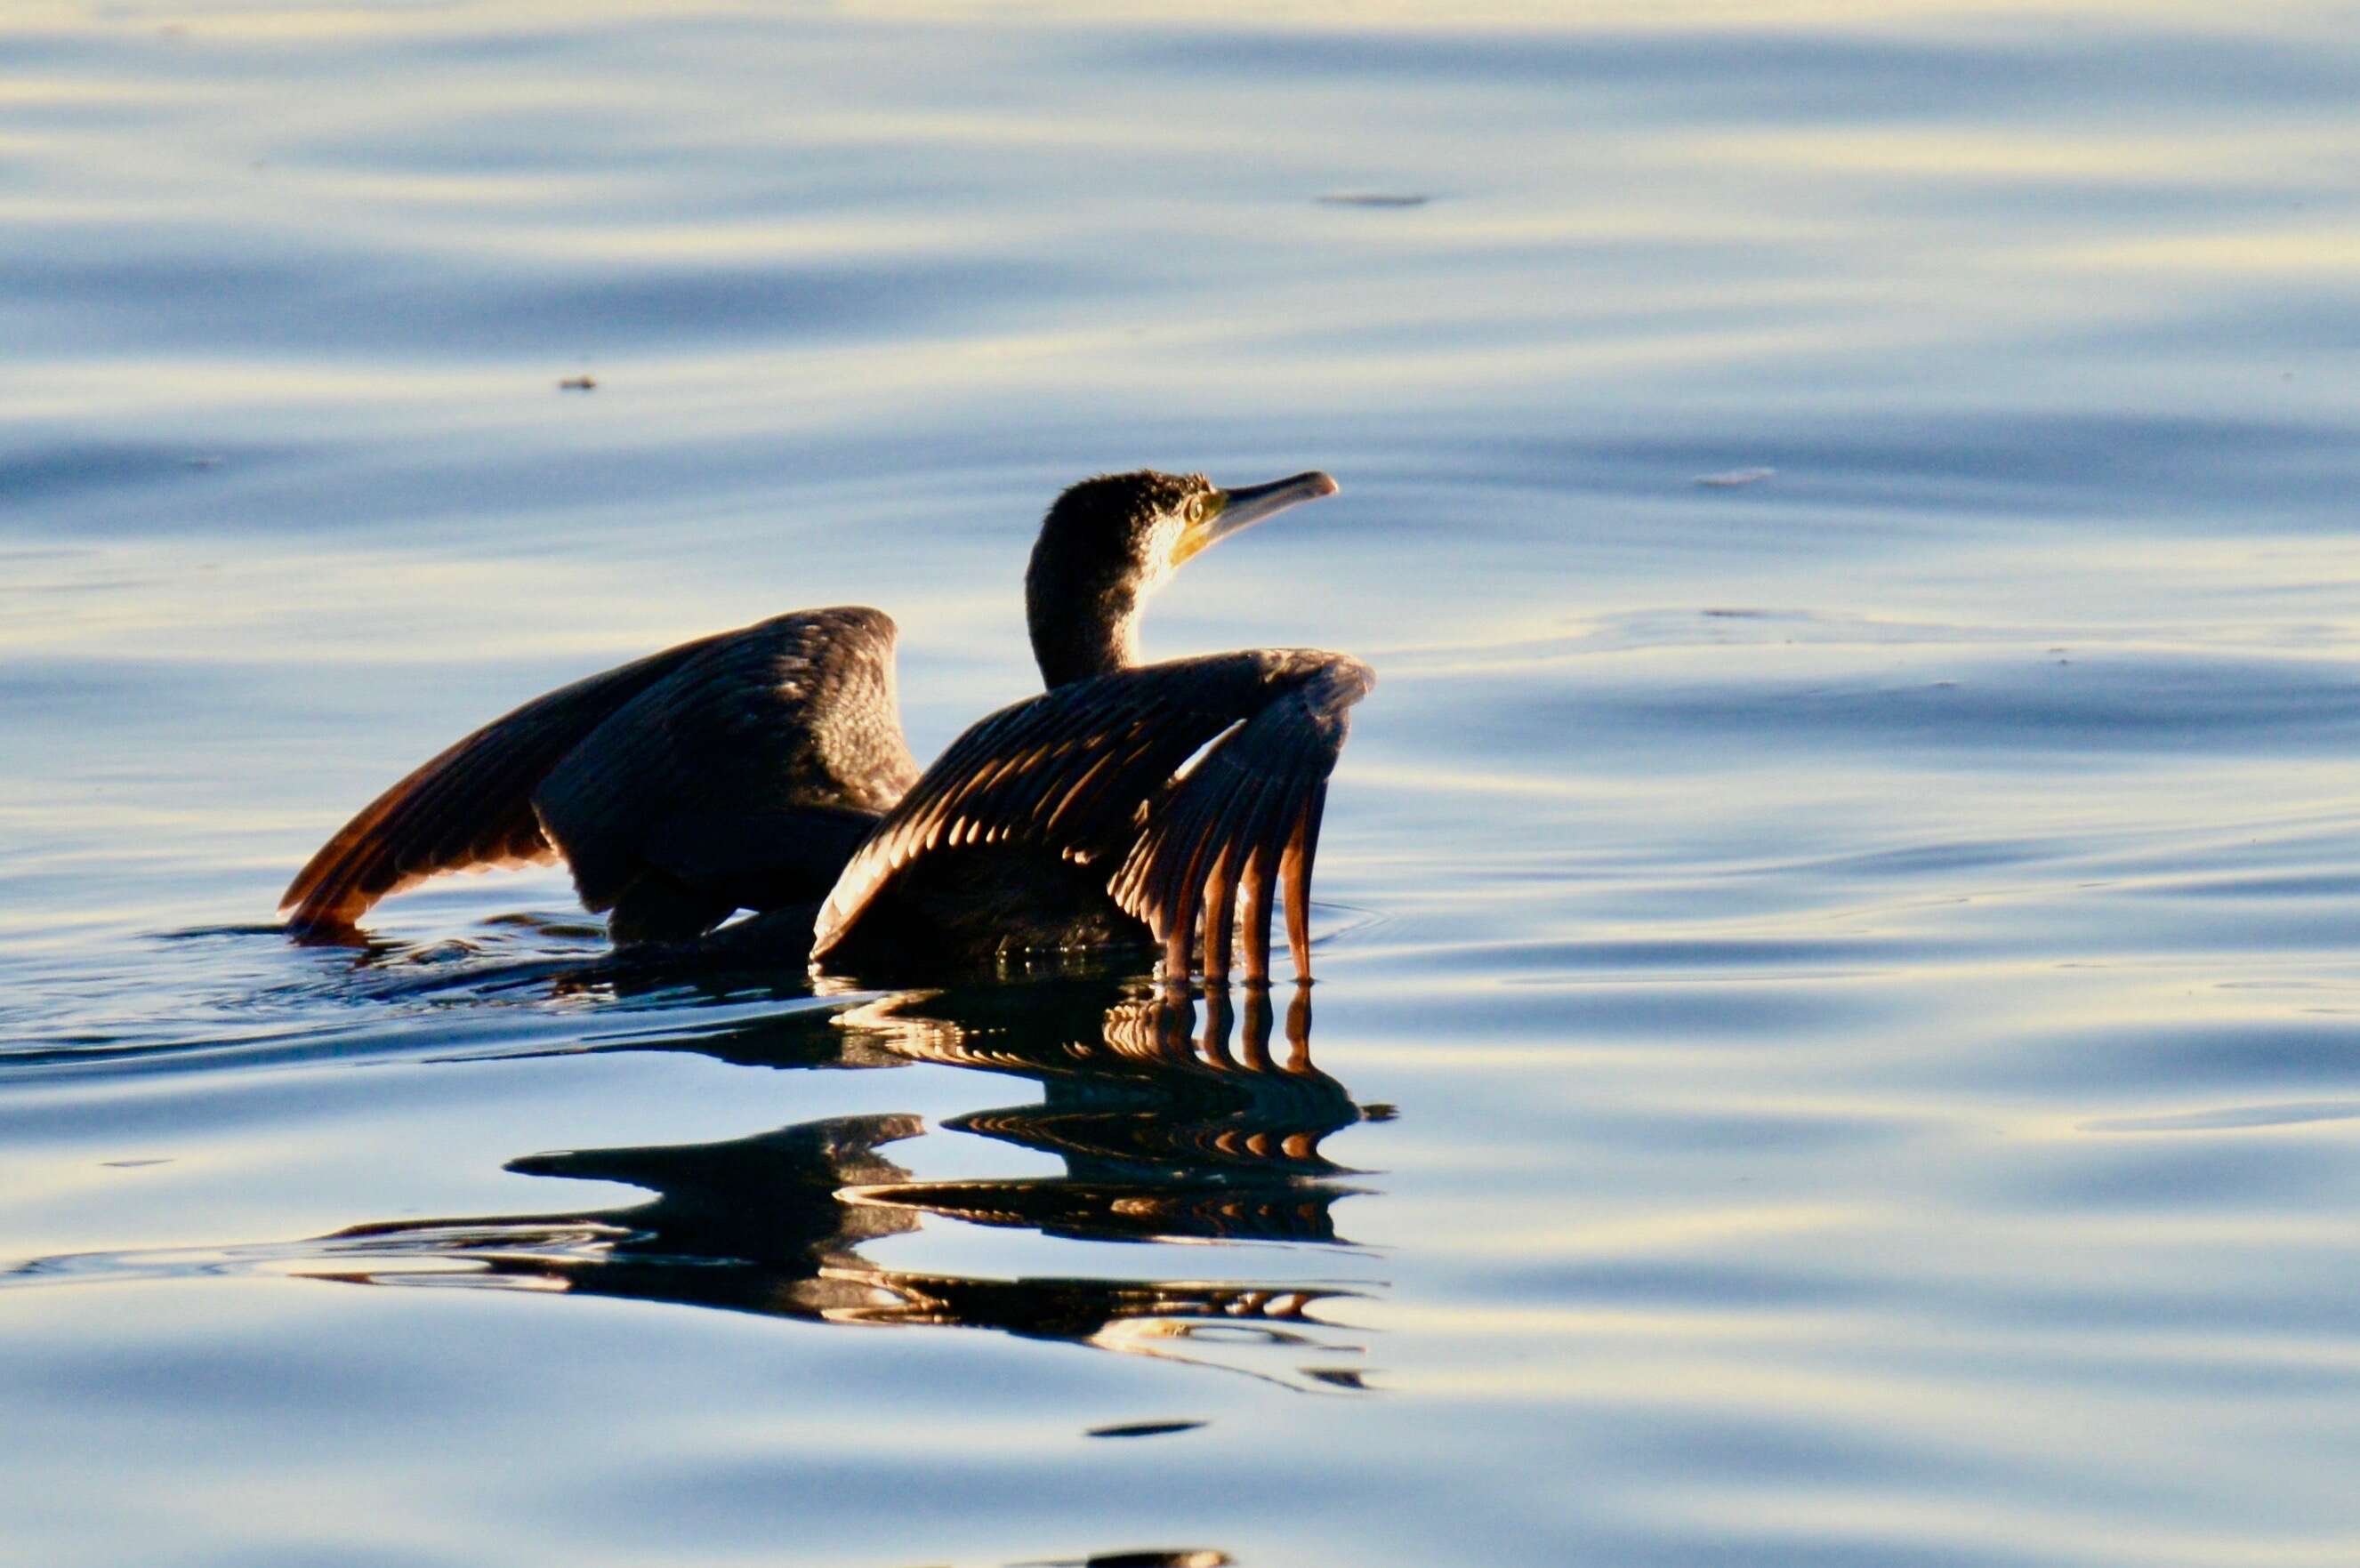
[[1836, 1036]]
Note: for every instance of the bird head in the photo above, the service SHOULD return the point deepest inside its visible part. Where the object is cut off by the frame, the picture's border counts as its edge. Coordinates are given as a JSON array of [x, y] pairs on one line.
[[1111, 541]]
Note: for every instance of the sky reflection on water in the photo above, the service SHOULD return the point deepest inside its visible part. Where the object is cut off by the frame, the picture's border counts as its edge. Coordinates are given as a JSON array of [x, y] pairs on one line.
[[1836, 1040]]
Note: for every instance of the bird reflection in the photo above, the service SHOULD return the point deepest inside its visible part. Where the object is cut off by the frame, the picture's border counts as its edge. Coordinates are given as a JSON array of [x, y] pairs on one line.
[[1167, 1133]]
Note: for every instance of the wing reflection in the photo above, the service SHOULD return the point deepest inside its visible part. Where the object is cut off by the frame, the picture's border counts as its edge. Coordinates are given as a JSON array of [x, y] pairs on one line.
[[1167, 1133]]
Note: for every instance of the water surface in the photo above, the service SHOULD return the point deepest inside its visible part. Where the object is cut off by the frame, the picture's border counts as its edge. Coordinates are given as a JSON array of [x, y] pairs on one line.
[[1836, 1040]]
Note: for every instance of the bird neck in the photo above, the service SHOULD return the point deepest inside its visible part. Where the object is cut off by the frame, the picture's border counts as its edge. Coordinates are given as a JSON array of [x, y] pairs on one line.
[[1076, 637]]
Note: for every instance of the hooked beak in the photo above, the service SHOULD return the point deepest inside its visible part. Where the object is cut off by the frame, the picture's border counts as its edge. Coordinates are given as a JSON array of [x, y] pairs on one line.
[[1228, 511]]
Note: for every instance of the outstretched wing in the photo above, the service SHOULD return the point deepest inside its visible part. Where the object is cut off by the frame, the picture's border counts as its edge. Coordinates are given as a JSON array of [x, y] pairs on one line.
[[471, 805], [477, 805], [1087, 772]]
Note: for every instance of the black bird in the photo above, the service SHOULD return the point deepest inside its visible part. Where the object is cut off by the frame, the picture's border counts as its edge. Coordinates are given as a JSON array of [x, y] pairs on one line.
[[765, 769]]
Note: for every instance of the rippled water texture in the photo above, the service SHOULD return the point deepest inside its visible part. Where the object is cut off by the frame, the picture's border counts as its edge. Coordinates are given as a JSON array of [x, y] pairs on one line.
[[1838, 1041]]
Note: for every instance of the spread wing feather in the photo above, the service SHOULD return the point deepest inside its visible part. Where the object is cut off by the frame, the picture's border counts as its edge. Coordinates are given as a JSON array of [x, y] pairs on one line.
[[1251, 808], [470, 805], [1086, 771]]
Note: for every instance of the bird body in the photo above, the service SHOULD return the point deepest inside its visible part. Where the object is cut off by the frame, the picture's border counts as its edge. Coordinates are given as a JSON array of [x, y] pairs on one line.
[[766, 770]]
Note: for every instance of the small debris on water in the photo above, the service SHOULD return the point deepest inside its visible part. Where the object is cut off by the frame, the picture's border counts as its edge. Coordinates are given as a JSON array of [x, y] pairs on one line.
[[1143, 1429], [1186, 1557], [1734, 477], [1372, 198], [578, 384]]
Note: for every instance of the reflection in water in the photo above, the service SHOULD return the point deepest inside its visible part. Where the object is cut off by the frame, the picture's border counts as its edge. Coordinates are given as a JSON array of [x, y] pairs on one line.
[[1167, 1133]]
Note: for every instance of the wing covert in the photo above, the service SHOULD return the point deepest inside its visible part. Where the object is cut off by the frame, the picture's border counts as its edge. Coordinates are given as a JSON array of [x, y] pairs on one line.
[[750, 771]]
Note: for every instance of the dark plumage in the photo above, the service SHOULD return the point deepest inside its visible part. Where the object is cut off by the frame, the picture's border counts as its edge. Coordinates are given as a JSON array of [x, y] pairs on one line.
[[765, 769]]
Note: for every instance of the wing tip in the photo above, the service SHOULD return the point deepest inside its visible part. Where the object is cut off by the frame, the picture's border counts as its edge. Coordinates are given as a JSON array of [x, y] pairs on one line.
[[324, 931], [323, 911]]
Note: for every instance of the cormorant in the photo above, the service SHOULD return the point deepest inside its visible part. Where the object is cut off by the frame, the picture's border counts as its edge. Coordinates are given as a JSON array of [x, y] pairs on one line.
[[765, 769]]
